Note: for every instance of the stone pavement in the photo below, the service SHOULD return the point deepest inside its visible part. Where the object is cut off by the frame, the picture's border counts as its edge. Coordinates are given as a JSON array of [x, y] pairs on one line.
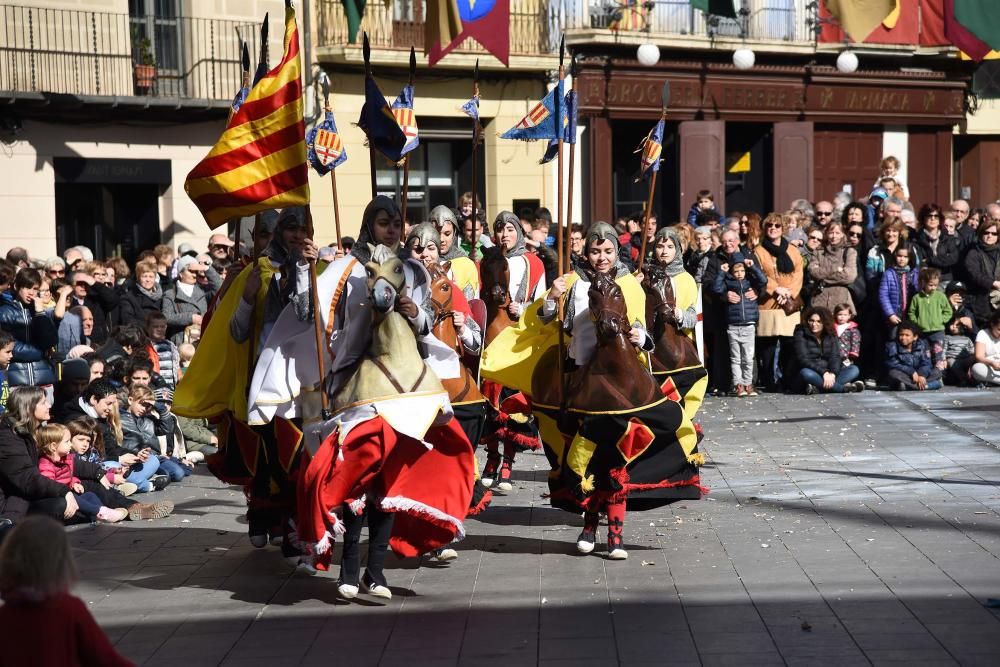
[[858, 529]]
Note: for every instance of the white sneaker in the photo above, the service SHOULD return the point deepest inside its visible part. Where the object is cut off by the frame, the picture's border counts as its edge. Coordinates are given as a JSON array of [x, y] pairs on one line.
[[618, 554], [195, 457], [127, 488], [445, 554], [347, 591], [487, 481], [505, 485], [378, 590]]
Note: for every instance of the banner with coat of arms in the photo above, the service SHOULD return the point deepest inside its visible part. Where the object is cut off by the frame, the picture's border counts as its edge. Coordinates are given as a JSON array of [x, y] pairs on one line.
[[326, 148]]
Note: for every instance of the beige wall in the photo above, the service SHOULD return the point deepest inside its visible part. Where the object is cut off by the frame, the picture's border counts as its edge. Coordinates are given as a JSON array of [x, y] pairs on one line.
[[27, 180], [986, 120]]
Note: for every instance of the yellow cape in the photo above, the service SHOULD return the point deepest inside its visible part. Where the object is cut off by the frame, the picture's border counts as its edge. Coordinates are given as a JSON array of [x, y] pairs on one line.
[[511, 358], [465, 274], [219, 374]]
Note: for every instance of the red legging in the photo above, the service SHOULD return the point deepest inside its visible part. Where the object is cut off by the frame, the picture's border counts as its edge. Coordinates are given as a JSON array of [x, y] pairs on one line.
[[616, 521]]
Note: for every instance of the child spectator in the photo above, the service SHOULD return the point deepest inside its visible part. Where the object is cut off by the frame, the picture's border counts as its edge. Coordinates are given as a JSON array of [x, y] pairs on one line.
[[986, 370], [6, 354], [908, 361], [186, 352], [889, 169], [898, 285], [733, 285], [959, 353], [705, 201], [57, 462], [848, 334], [40, 622], [931, 311], [140, 432], [162, 351], [87, 444]]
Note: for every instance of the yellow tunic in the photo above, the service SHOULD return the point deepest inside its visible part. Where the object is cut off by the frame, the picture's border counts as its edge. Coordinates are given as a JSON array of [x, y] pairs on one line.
[[217, 379], [465, 274]]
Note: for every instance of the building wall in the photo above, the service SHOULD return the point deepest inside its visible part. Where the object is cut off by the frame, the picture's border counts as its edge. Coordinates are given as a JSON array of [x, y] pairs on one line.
[[27, 179]]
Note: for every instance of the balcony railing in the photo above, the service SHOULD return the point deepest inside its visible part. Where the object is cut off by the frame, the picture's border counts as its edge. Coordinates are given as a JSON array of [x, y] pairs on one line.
[[401, 25], [765, 20], [98, 54]]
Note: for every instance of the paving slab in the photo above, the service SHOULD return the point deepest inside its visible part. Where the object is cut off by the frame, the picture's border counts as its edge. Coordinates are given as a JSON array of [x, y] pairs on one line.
[[840, 530]]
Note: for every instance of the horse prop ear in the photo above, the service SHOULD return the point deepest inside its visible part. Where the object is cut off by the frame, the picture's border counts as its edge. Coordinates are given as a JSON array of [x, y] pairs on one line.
[[446, 266], [371, 248], [590, 273]]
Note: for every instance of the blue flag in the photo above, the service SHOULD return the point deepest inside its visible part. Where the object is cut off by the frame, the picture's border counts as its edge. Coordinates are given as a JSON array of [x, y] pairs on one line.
[[471, 109], [241, 97], [651, 147], [540, 123], [569, 129], [326, 147], [379, 123], [402, 111]]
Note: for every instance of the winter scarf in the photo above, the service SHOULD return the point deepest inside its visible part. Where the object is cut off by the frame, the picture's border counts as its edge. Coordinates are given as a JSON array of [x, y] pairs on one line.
[[783, 262]]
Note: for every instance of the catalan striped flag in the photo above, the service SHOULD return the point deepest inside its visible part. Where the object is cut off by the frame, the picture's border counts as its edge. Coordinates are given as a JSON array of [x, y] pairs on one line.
[[651, 147], [406, 118], [259, 162], [540, 123]]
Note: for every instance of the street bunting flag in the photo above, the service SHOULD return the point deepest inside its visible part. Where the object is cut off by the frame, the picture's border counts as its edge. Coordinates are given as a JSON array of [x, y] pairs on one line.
[[486, 21], [380, 125], [326, 147], [259, 162], [402, 111], [859, 18], [540, 123], [651, 147], [569, 129], [442, 26], [981, 18], [354, 10], [956, 33], [724, 8]]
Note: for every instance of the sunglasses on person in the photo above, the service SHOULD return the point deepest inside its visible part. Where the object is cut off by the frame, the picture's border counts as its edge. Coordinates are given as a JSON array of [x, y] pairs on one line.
[[57, 272], [824, 213], [855, 235], [772, 225], [933, 215], [818, 239], [989, 233]]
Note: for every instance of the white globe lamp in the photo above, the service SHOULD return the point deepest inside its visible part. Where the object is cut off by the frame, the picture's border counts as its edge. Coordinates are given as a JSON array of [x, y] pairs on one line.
[[648, 54], [744, 59], [847, 62]]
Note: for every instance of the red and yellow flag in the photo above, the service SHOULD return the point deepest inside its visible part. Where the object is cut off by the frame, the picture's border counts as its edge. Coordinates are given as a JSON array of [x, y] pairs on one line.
[[259, 161]]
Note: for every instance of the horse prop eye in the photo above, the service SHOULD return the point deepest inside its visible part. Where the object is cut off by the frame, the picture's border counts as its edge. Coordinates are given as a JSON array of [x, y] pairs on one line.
[[446, 288], [398, 269]]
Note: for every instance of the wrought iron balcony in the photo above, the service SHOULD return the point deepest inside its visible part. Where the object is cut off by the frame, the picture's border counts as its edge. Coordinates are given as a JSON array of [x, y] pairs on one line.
[[102, 58]]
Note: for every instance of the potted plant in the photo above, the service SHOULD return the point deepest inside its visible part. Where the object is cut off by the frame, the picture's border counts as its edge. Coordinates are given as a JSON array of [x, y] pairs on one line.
[[145, 64]]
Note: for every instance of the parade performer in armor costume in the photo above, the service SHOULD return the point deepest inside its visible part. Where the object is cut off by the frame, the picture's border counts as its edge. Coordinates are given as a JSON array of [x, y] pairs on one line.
[[454, 325], [509, 423], [671, 314], [393, 453], [261, 456], [462, 271], [610, 435]]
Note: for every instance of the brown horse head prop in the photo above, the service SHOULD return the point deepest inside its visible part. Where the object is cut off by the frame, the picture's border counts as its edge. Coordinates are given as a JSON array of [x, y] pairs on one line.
[[607, 306], [462, 389], [495, 276], [673, 348]]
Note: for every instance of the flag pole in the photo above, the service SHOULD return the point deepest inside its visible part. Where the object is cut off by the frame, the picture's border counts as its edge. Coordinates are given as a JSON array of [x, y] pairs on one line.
[[243, 84], [572, 158], [559, 158], [652, 182], [559, 230], [328, 108], [406, 158], [317, 323], [366, 51], [475, 169]]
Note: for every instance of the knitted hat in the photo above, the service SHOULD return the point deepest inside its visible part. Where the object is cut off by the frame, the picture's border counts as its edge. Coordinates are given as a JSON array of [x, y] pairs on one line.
[[75, 370]]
